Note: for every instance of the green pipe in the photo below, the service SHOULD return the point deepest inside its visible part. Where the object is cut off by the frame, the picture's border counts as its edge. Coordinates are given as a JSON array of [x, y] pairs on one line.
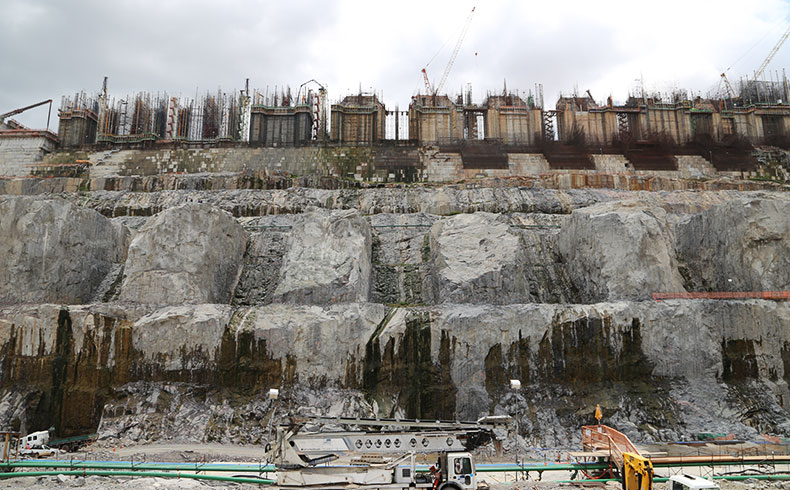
[[152, 474]]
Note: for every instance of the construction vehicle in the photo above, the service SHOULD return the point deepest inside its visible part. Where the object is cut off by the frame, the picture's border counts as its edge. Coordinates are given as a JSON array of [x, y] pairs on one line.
[[637, 472], [39, 451], [35, 439], [42, 443], [71, 444], [382, 457], [603, 444]]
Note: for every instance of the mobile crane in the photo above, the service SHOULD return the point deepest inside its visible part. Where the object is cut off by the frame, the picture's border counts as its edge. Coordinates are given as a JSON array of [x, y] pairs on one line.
[[300, 458]]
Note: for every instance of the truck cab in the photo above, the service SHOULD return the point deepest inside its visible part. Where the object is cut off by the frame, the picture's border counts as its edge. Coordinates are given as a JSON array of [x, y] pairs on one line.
[[457, 470]]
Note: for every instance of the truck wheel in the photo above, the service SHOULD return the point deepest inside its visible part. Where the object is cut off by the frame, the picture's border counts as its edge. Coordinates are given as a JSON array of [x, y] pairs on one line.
[[449, 486]]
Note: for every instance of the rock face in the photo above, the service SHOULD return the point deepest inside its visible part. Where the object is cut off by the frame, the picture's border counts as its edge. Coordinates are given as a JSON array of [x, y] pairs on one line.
[[476, 259], [188, 254], [743, 245], [618, 251], [401, 302], [328, 259], [659, 369], [53, 251]]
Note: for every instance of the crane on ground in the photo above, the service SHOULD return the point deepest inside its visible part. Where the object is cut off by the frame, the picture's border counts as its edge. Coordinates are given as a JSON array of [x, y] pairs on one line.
[[434, 90]]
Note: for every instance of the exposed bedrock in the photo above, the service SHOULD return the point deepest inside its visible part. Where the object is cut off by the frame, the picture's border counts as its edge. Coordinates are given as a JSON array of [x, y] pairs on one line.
[[54, 251], [475, 258], [188, 254], [445, 200], [394, 302], [659, 370], [498, 259], [328, 259], [620, 250], [743, 245]]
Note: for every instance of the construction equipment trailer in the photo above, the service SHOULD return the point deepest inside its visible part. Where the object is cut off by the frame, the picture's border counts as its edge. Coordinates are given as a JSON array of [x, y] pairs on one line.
[[383, 456]]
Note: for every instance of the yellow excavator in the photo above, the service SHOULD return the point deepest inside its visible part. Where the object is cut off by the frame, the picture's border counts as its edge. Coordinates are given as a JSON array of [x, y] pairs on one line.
[[637, 472]]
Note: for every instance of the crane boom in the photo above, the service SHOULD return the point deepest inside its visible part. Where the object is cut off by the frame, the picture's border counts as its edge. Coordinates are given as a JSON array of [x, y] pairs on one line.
[[23, 109], [455, 52], [728, 86], [428, 88], [761, 69]]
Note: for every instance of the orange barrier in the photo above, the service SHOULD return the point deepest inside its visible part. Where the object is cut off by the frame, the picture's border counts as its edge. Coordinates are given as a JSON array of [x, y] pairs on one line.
[[774, 295]]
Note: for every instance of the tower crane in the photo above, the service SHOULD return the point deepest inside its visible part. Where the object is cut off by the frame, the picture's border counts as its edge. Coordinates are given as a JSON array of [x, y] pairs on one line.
[[434, 90], [761, 69]]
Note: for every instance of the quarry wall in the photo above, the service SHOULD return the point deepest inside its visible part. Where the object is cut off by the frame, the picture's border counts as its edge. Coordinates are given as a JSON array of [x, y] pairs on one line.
[[419, 302]]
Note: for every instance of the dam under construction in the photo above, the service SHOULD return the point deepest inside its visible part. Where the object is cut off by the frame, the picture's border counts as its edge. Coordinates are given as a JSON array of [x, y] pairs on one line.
[[171, 262], [438, 138]]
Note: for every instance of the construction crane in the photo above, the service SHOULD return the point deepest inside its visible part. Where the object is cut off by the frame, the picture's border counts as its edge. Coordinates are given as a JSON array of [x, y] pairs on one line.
[[23, 109], [761, 69], [727, 85], [435, 90]]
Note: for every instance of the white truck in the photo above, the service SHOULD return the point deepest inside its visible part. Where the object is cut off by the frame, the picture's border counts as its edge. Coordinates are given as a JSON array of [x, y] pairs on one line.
[[301, 458], [34, 445]]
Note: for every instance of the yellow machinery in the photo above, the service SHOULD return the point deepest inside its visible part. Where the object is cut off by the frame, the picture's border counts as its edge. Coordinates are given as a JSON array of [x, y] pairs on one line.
[[637, 472]]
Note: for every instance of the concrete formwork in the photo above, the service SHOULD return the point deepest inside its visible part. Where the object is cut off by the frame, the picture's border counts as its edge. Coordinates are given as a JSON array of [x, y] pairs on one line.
[[280, 126], [77, 127], [359, 119], [511, 120], [682, 123], [435, 119]]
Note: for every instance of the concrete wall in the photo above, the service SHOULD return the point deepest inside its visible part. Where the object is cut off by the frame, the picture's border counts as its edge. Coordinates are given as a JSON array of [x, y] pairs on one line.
[[432, 125], [681, 123], [356, 163], [514, 125], [272, 128], [19, 150], [359, 119], [77, 128]]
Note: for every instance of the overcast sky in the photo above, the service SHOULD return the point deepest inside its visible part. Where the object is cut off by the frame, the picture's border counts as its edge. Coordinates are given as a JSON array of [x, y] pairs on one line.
[[53, 48]]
